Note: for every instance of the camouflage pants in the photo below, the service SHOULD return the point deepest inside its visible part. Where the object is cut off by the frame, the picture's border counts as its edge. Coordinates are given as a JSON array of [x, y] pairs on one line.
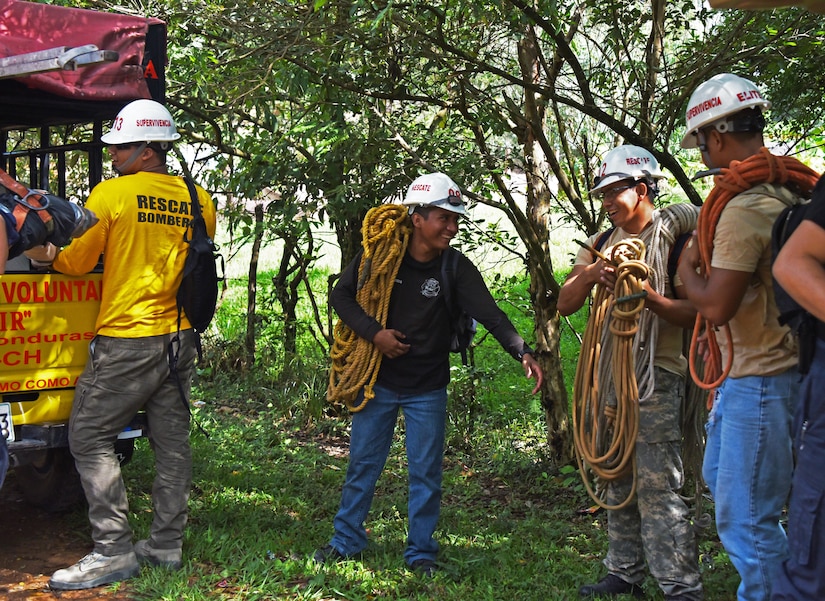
[[655, 526], [122, 376]]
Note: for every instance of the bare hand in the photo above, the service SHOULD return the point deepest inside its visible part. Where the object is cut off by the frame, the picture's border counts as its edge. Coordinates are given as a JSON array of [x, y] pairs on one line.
[[42, 254], [389, 343], [532, 369], [607, 275]]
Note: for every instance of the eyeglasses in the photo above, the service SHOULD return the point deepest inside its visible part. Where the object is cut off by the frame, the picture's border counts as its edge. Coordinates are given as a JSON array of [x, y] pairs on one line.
[[612, 192], [124, 146]]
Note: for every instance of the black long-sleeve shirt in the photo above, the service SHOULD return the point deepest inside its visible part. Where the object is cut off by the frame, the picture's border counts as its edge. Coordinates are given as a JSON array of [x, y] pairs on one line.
[[418, 310]]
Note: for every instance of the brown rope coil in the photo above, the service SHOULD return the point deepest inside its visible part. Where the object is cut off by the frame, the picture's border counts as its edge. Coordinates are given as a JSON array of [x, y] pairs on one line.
[[355, 362], [605, 426]]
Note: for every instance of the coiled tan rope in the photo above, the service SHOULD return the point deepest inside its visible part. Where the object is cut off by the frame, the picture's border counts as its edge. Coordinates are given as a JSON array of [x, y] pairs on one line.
[[615, 369], [605, 426], [355, 362]]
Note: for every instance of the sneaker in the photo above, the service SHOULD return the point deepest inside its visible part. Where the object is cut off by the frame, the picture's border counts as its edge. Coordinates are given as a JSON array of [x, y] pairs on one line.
[[95, 570], [611, 586], [149, 555], [425, 567], [327, 554]]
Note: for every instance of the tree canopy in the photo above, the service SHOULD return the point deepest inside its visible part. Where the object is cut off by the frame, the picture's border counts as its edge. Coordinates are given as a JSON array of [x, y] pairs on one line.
[[322, 109]]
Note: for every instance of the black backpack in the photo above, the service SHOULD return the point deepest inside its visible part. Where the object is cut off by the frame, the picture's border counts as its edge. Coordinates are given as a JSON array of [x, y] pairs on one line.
[[791, 313], [198, 293], [463, 327]]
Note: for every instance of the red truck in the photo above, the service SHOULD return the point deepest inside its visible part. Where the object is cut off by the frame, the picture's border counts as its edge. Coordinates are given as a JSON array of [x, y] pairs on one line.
[[63, 73]]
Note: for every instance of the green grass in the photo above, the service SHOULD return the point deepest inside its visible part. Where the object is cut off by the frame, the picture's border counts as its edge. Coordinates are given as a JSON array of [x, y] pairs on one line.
[[266, 490], [267, 483]]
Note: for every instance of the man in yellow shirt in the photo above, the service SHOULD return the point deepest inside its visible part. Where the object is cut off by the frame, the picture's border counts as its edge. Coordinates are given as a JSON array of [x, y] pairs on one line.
[[143, 216]]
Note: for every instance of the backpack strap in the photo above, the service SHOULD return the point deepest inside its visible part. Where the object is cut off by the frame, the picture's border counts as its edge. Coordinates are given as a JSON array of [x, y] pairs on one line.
[[673, 258], [196, 215], [449, 264], [174, 345], [599, 243]]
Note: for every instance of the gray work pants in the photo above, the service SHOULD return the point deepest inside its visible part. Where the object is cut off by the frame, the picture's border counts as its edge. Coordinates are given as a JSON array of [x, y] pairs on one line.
[[122, 376]]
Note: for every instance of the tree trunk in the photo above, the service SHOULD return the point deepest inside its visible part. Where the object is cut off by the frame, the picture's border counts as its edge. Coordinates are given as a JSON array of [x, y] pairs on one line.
[[252, 287], [543, 292]]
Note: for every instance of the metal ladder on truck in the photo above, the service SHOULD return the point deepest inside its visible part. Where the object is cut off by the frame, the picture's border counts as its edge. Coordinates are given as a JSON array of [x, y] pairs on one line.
[[62, 58]]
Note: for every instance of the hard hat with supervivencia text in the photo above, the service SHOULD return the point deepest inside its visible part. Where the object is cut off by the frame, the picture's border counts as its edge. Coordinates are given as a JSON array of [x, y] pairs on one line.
[[434, 189], [721, 96], [142, 121], [625, 162]]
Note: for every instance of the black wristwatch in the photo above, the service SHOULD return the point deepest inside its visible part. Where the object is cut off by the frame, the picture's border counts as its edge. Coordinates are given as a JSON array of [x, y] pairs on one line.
[[525, 350]]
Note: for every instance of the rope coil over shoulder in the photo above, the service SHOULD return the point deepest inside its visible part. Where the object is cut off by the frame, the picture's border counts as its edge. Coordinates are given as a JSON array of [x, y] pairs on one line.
[[356, 361], [761, 168]]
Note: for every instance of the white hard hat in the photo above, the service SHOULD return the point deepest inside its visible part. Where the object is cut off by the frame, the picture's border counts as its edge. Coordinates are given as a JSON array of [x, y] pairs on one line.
[[625, 162], [142, 121], [434, 189], [721, 96]]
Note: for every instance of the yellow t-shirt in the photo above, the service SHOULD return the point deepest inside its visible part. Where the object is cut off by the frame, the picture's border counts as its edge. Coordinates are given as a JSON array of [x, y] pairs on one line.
[[142, 219], [668, 353], [743, 243]]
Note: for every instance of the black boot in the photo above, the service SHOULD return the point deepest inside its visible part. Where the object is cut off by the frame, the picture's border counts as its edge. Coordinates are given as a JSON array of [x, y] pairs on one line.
[[611, 586]]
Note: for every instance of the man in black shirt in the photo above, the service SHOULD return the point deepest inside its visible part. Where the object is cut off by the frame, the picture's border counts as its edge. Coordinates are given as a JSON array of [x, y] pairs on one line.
[[800, 270], [414, 372]]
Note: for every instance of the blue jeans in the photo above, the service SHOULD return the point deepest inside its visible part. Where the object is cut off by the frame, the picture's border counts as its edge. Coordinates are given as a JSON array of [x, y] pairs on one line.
[[748, 466], [370, 439], [803, 575]]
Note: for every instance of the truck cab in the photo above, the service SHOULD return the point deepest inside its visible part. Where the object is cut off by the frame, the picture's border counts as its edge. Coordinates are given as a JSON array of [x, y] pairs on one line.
[[64, 72]]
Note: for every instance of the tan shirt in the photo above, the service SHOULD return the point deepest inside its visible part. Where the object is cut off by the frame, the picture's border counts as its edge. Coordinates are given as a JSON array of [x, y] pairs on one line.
[[743, 243], [669, 347]]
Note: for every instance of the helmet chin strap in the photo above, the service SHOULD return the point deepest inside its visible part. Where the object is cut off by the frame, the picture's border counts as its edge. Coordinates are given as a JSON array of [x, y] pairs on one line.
[[132, 158]]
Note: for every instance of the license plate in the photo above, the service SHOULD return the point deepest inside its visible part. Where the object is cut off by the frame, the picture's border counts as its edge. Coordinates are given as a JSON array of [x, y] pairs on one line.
[[5, 421]]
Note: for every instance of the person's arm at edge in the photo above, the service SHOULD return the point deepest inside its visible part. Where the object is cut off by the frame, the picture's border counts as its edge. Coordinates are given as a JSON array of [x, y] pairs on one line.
[[800, 267]]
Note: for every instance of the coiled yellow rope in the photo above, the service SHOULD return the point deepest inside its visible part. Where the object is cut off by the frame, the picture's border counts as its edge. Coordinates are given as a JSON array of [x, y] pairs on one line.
[[605, 431], [355, 362]]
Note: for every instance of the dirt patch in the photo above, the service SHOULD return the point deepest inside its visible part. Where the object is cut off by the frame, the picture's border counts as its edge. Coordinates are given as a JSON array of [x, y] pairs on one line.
[[35, 544]]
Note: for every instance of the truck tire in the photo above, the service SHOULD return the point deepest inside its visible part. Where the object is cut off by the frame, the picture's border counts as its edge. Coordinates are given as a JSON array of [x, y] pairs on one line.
[[51, 482]]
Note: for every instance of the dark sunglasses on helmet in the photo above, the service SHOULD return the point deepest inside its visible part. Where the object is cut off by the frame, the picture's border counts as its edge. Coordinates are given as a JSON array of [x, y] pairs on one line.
[[453, 200]]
